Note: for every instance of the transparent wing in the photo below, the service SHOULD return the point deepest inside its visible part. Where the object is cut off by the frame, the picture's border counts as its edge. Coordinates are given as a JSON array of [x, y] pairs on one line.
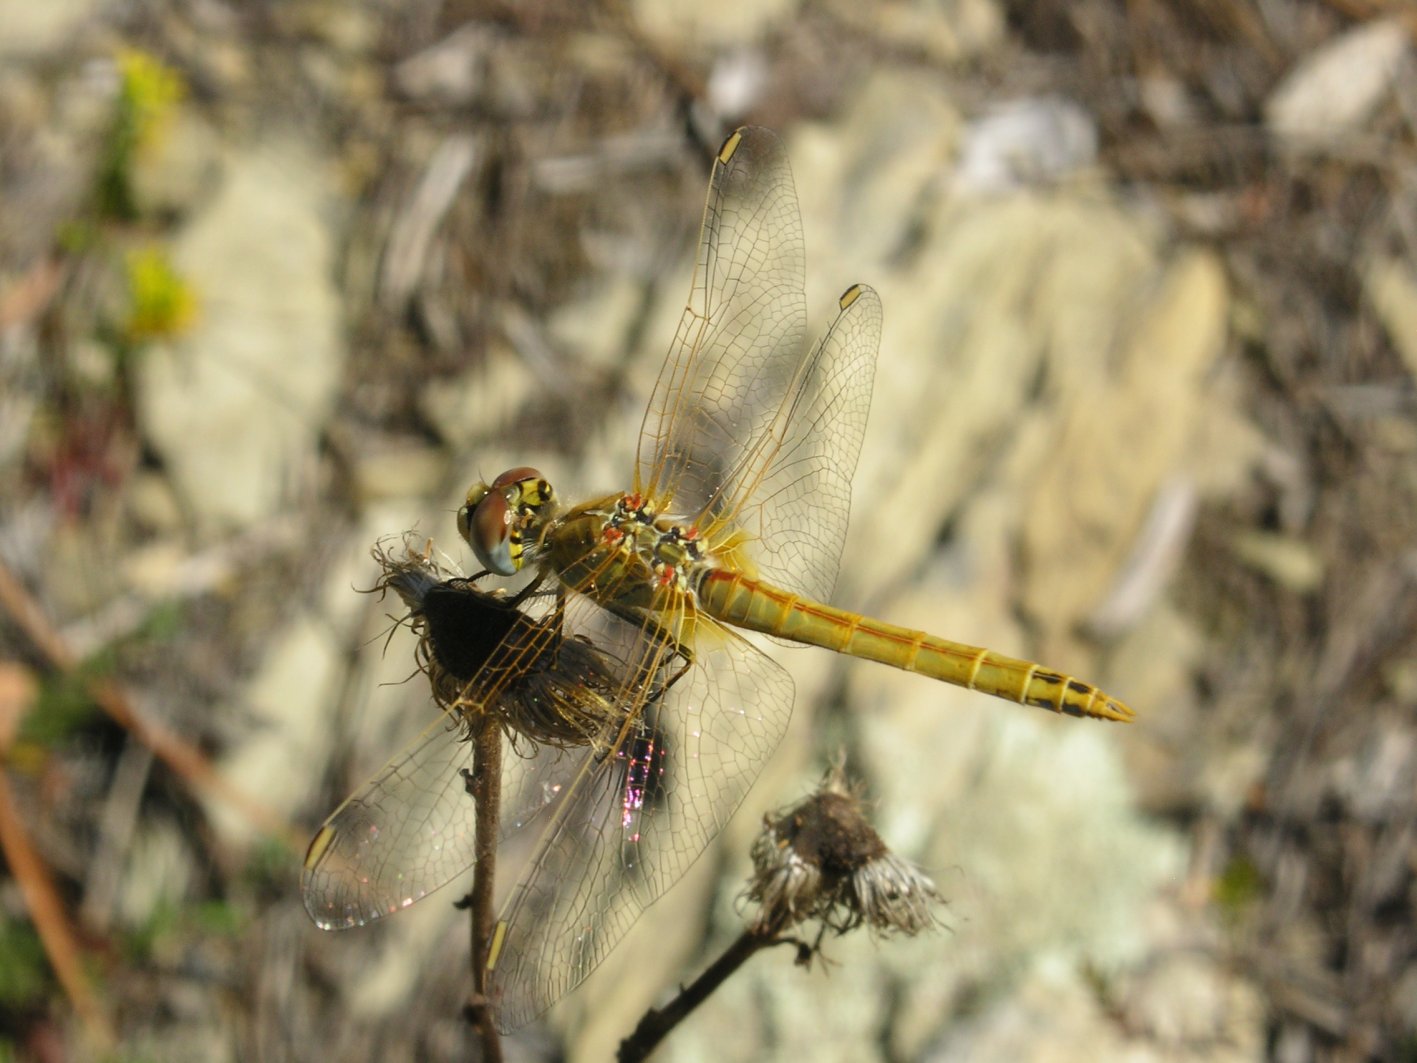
[[635, 819], [409, 830], [532, 778], [792, 492], [740, 336], [748, 431]]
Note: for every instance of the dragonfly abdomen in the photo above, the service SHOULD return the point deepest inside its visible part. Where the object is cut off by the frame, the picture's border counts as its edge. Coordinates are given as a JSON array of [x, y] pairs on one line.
[[747, 603]]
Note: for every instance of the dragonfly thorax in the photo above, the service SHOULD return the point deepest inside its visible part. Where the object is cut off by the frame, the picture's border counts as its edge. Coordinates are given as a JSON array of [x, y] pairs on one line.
[[499, 519], [621, 550], [669, 548], [678, 556]]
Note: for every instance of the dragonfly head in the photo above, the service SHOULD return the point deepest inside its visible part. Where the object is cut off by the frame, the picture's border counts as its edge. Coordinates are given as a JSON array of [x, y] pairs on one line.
[[500, 518]]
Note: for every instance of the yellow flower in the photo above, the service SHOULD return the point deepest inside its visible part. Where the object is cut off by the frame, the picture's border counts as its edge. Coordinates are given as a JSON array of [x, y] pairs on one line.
[[148, 95], [161, 303]]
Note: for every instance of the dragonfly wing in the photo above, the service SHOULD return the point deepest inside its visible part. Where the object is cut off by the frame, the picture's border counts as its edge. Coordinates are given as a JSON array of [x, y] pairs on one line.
[[749, 432], [405, 833], [740, 336], [532, 779], [410, 829], [635, 819], [796, 507]]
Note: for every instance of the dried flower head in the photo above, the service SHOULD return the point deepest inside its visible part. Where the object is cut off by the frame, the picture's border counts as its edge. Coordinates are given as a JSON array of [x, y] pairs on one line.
[[483, 653], [821, 859]]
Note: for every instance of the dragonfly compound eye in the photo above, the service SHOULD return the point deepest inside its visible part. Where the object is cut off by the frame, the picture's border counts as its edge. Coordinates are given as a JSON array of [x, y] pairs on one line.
[[523, 477], [475, 494], [488, 530], [499, 518]]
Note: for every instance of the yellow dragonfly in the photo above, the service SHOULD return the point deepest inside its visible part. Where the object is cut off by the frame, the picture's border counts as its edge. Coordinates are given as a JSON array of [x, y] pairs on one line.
[[735, 519]]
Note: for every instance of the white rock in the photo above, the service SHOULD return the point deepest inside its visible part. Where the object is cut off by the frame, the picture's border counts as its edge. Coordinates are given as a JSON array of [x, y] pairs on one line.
[[694, 25], [1333, 90], [179, 168], [236, 406], [157, 873], [943, 31], [736, 82], [1188, 1000], [31, 28], [274, 762], [1392, 289], [1294, 564], [450, 72], [1035, 141]]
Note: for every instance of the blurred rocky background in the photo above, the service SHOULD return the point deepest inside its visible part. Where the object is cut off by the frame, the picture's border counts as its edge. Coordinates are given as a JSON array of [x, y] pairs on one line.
[[277, 279]]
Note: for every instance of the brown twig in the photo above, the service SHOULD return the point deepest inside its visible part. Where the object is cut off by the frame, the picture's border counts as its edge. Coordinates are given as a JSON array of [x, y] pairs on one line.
[[41, 898], [658, 1022], [26, 299], [184, 759], [485, 786]]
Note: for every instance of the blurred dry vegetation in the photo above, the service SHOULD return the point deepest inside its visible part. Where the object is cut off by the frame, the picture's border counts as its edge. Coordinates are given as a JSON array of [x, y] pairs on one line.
[[269, 271]]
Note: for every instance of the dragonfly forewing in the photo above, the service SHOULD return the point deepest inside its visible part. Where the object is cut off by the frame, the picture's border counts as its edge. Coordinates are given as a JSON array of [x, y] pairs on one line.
[[795, 503], [751, 433], [406, 833], [740, 337]]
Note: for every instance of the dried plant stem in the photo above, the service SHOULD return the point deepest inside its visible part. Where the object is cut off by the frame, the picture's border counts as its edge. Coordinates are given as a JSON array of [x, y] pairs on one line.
[[185, 760], [43, 902], [485, 786], [658, 1022]]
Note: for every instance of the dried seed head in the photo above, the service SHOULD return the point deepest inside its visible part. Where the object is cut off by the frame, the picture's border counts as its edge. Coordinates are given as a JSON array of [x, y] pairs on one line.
[[483, 653], [820, 859], [414, 577]]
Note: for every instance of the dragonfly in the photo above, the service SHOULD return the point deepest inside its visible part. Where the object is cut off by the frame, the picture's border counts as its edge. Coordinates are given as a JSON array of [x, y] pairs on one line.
[[742, 485], [734, 521]]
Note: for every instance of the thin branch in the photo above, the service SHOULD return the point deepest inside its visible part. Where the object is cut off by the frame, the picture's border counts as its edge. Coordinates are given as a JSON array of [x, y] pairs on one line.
[[184, 759], [27, 297], [41, 898], [485, 786], [658, 1022]]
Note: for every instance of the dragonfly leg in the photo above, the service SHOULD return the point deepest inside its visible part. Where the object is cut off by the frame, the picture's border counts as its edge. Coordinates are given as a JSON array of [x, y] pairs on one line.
[[686, 657], [529, 591], [665, 640], [661, 636]]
